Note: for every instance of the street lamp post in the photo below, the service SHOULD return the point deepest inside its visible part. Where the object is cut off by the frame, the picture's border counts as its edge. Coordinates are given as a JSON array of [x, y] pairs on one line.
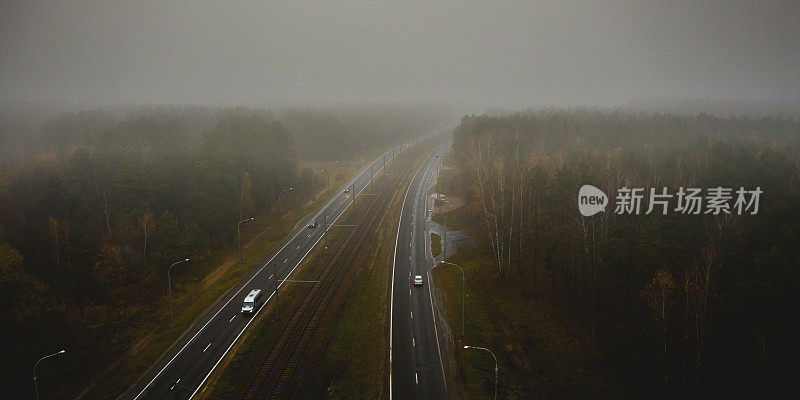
[[35, 383], [239, 240], [280, 207], [495, 365], [332, 175], [463, 291], [169, 284]]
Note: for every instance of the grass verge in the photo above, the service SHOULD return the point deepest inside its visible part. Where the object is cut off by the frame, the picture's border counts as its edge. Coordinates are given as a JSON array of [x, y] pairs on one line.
[[349, 354], [436, 245], [246, 355], [352, 356], [195, 289], [542, 351]]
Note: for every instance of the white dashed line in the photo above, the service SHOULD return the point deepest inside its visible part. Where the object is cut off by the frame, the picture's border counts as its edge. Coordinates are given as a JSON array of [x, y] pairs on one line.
[[178, 381], [204, 350], [298, 247], [284, 261], [413, 342], [412, 314], [231, 320], [416, 378]]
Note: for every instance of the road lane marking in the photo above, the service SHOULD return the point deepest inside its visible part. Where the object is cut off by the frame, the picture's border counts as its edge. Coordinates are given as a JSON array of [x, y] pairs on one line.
[[416, 378], [204, 350], [321, 210], [178, 381], [267, 300], [394, 263], [413, 342], [298, 248], [412, 314], [230, 320], [284, 261], [436, 330]]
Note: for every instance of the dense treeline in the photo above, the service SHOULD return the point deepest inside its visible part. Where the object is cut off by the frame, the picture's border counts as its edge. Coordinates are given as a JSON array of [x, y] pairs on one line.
[[89, 229], [321, 134], [684, 305], [95, 205]]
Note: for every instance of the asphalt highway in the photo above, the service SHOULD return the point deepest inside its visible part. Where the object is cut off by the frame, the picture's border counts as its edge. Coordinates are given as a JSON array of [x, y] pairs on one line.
[[415, 360], [183, 370]]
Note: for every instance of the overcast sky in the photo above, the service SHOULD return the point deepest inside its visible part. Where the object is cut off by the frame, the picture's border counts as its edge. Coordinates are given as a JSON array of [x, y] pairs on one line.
[[504, 53]]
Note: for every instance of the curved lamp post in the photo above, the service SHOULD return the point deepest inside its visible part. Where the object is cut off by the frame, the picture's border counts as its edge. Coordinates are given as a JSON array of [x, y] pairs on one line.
[[280, 207], [495, 365], [35, 383], [169, 283], [239, 240]]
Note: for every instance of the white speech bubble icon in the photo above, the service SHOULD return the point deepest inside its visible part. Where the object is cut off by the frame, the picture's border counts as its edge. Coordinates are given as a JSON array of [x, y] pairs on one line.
[[591, 200]]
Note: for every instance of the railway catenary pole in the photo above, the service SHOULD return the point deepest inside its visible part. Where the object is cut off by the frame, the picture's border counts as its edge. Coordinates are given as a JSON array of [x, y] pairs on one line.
[[275, 275]]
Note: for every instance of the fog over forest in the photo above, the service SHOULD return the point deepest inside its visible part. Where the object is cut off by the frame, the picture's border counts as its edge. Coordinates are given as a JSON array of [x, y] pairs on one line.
[[139, 135], [513, 54]]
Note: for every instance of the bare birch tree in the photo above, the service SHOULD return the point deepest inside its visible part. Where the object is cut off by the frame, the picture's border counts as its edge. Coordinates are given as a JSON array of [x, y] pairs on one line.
[[658, 295]]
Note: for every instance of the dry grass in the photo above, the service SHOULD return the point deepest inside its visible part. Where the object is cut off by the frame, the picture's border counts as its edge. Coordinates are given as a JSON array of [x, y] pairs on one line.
[[436, 245], [543, 350], [194, 291]]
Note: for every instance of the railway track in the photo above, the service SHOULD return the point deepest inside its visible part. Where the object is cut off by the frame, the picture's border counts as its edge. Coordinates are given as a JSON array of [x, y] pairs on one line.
[[285, 353]]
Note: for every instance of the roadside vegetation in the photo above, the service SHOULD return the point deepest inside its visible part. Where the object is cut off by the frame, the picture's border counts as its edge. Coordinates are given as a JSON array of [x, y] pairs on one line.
[[436, 244], [96, 205], [626, 306], [351, 356], [542, 347], [247, 354]]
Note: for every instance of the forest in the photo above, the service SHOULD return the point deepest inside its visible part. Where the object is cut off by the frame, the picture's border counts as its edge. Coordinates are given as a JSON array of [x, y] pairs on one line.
[[95, 205], [680, 305]]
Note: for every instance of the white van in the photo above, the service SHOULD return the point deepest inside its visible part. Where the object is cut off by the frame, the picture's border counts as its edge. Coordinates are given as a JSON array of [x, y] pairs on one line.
[[252, 302]]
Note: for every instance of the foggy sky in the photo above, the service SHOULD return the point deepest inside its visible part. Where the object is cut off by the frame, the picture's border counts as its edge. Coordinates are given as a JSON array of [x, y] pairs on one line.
[[505, 53]]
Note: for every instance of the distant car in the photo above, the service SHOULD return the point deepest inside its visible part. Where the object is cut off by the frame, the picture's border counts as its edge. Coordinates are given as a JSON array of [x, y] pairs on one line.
[[252, 302], [312, 224], [346, 191], [418, 280]]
